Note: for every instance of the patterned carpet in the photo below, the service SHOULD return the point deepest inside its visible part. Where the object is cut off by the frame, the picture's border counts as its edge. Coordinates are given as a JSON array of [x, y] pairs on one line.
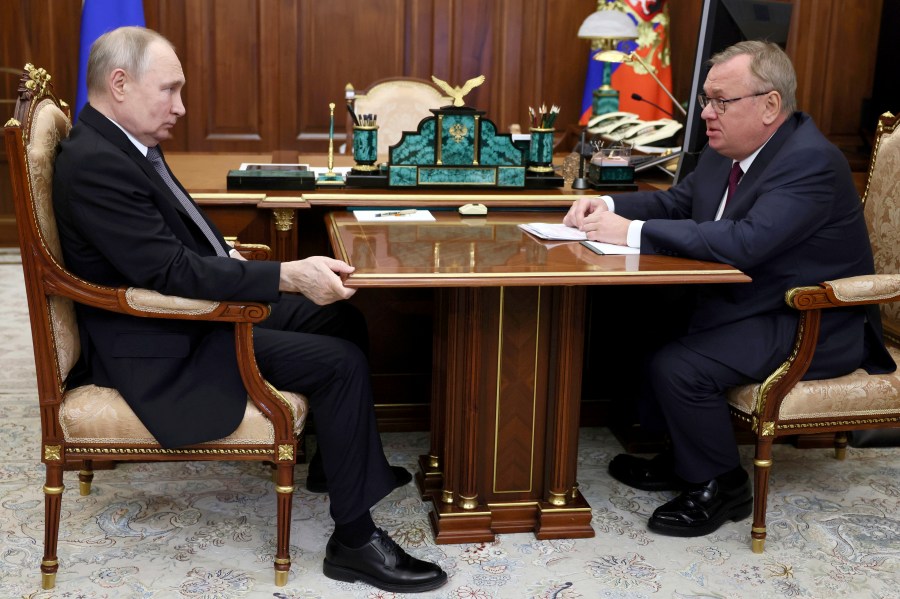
[[197, 530]]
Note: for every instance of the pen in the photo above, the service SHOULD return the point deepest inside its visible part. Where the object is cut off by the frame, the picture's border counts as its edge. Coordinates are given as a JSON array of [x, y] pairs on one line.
[[397, 212]]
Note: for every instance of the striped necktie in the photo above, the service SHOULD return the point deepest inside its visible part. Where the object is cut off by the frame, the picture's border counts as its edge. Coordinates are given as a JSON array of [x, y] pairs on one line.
[[156, 159]]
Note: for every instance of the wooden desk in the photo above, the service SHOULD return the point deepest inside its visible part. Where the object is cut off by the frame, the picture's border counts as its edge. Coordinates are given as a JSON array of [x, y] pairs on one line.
[[400, 319], [508, 348]]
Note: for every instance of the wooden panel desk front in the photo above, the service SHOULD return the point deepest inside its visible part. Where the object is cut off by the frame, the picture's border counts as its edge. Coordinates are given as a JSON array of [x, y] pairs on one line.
[[508, 348]]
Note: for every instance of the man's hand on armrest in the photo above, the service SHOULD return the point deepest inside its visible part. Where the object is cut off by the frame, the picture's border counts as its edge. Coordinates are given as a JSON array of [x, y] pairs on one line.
[[319, 278]]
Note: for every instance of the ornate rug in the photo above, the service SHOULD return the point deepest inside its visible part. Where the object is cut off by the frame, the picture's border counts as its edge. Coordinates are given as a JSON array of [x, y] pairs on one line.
[[197, 530]]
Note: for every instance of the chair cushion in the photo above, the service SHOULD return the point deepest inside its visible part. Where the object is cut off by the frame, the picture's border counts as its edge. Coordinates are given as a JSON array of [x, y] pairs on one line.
[[855, 395], [883, 216], [92, 414]]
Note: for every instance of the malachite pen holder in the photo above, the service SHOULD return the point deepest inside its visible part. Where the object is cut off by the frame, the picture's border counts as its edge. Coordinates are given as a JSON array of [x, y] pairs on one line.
[[365, 147], [540, 150]]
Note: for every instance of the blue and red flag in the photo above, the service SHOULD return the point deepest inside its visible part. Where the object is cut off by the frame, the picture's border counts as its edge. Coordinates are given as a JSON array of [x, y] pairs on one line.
[[98, 17], [652, 45]]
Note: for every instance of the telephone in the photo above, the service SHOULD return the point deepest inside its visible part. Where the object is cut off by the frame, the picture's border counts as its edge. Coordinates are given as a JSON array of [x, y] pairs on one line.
[[602, 123], [652, 132]]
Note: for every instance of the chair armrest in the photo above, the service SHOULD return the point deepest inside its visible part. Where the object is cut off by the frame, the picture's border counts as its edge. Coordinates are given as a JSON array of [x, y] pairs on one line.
[[849, 291], [253, 251], [150, 304], [147, 303]]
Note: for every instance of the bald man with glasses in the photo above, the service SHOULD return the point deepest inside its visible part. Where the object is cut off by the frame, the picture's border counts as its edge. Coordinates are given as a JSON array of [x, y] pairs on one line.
[[774, 198]]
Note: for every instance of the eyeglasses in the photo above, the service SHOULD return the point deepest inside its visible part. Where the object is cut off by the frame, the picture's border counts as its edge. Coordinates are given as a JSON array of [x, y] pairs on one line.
[[719, 104]]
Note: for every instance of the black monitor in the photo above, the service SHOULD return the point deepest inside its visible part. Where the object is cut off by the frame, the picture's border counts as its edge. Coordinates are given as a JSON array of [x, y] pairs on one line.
[[722, 24]]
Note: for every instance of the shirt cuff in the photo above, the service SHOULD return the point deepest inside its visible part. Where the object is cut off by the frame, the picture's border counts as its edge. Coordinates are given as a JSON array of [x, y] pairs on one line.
[[610, 203], [633, 238], [232, 252]]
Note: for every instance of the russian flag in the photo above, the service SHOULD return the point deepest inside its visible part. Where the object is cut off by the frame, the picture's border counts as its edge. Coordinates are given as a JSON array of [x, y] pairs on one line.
[[98, 17], [652, 19]]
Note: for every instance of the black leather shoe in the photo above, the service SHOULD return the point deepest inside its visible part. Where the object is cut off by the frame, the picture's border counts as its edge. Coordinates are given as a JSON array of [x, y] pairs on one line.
[[702, 509], [317, 483], [383, 564], [656, 474]]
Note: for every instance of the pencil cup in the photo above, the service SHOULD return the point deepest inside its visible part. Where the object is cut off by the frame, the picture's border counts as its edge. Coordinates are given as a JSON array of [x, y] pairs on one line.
[[540, 150], [365, 147]]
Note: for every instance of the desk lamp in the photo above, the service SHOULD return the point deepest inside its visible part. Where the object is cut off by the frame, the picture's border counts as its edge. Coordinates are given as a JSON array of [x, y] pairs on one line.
[[608, 26], [608, 56]]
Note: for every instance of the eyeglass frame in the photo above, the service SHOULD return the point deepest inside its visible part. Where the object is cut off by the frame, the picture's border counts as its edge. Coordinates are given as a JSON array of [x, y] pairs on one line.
[[704, 100]]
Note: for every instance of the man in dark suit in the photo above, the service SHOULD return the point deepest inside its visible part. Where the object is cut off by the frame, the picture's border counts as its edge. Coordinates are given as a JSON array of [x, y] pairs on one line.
[[124, 220], [772, 197]]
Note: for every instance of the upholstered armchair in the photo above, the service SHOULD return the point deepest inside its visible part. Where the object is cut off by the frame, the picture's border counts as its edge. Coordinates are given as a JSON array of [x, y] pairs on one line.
[[89, 423], [784, 404], [399, 103]]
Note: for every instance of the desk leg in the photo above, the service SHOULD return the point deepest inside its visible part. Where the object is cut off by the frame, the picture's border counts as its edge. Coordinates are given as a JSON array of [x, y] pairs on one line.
[[284, 234], [430, 476], [505, 422], [564, 513]]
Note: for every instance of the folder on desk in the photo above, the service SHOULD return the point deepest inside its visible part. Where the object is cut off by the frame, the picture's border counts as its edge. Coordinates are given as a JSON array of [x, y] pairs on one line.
[[271, 179]]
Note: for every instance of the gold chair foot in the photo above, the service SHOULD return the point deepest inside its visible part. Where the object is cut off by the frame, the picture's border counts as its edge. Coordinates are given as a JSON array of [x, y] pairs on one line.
[[84, 488], [281, 577], [48, 581], [840, 453], [758, 545]]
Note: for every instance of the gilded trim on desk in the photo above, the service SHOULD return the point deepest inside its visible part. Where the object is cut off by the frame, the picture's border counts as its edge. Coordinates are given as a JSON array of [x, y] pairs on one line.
[[228, 196], [340, 240], [537, 332], [546, 275], [382, 199]]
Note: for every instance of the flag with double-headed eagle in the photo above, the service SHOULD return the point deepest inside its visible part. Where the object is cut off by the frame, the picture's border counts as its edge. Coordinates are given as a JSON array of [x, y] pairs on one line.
[[652, 45]]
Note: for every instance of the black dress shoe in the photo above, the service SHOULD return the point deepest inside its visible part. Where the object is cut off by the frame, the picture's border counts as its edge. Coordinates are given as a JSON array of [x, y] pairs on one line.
[[383, 564], [317, 483], [656, 474], [702, 509]]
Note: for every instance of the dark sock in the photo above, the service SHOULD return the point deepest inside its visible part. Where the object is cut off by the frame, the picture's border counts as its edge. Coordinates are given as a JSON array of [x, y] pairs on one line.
[[733, 478], [356, 533], [316, 470], [402, 474]]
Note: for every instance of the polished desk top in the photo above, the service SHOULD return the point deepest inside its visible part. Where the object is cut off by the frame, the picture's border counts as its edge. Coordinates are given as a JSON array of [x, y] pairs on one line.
[[491, 251], [204, 176]]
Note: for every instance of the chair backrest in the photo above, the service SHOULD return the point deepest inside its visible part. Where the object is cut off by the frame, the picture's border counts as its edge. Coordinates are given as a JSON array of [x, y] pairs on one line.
[[400, 104], [882, 209], [41, 121]]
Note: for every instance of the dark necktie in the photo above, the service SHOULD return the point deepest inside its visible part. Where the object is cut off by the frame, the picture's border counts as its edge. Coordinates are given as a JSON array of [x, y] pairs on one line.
[[156, 159], [733, 179]]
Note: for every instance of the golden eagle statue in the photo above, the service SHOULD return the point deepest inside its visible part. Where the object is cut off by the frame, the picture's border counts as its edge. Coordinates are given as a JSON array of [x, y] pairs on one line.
[[457, 93]]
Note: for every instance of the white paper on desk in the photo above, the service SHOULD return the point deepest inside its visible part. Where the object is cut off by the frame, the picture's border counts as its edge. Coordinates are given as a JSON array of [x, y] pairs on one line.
[[338, 170], [610, 248], [554, 231], [389, 216]]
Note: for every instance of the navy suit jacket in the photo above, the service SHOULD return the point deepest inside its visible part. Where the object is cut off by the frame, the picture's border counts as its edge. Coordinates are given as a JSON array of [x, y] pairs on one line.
[[120, 225], [795, 220]]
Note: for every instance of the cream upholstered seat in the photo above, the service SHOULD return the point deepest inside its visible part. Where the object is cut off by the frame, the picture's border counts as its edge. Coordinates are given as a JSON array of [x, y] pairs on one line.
[[399, 103], [785, 405], [87, 423]]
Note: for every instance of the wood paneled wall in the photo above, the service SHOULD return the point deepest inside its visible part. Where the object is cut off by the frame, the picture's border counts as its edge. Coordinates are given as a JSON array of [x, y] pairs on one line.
[[262, 72]]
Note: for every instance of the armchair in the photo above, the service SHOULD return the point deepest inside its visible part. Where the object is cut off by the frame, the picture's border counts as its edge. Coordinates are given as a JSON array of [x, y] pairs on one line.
[[783, 404], [89, 423], [400, 104]]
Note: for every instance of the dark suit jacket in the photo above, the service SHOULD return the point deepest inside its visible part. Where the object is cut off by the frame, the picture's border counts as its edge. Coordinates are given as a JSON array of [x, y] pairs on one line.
[[795, 219], [120, 225]]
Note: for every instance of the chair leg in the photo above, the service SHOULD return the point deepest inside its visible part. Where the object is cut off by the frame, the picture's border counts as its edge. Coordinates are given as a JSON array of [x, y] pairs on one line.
[[840, 445], [85, 477], [761, 465], [52, 505], [284, 491]]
